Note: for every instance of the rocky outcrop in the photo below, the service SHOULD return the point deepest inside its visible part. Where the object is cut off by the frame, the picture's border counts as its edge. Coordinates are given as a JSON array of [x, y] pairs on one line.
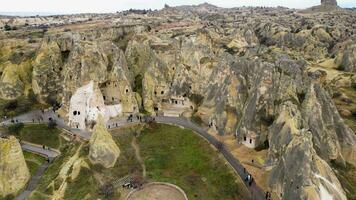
[[242, 71], [47, 74], [103, 150], [346, 56], [329, 2], [14, 173]]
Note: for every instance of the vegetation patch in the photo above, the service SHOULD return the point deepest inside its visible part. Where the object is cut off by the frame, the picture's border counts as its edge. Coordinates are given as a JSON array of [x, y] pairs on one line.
[[33, 161], [44, 187], [37, 133], [180, 157], [347, 178]]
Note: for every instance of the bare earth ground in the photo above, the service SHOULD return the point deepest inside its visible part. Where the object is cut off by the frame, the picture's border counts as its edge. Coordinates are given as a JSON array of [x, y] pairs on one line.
[[157, 192], [246, 155]]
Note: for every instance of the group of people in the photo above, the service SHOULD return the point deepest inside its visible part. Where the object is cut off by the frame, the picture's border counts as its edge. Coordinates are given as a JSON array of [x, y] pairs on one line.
[[268, 195]]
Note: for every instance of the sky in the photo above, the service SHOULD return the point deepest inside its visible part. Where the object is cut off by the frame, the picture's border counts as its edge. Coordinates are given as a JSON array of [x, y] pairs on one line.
[[102, 6]]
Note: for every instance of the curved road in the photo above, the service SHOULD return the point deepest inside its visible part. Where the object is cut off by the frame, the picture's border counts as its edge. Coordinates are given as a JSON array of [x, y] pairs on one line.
[[43, 117], [40, 171], [255, 191]]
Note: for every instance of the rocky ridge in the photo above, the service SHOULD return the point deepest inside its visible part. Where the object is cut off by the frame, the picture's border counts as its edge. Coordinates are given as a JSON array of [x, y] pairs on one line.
[[242, 74]]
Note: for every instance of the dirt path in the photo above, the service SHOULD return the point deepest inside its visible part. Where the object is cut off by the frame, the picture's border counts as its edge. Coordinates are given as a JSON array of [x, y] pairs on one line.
[[138, 156]]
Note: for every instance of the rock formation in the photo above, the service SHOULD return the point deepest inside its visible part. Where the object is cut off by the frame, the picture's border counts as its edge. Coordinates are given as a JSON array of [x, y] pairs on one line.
[[329, 2], [14, 173], [103, 149], [263, 72]]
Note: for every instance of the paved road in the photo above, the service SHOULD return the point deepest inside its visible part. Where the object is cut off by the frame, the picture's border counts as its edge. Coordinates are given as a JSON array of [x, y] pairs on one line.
[[43, 117], [35, 149], [255, 191], [38, 116], [34, 181], [40, 171]]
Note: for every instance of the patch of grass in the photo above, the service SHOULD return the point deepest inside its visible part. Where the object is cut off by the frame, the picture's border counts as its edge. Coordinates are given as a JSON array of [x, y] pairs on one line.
[[83, 186], [33, 161], [126, 163], [40, 134], [86, 184], [52, 172], [347, 178], [180, 157]]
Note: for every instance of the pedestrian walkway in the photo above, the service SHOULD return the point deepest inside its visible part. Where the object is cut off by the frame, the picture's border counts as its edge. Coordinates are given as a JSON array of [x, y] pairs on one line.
[[50, 155], [35, 149], [47, 115]]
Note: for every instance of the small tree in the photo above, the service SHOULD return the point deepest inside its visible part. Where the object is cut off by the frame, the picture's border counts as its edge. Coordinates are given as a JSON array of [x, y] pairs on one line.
[[15, 128], [52, 124]]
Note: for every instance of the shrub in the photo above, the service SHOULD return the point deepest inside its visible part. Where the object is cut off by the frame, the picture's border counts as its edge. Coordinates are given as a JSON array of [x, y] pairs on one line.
[[15, 128], [52, 124], [197, 99], [263, 146]]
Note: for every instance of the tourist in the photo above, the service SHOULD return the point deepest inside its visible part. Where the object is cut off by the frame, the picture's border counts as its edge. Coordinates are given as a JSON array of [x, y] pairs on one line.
[[251, 181]]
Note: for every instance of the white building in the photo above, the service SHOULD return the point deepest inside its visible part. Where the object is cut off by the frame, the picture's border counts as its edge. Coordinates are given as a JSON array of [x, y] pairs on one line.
[[87, 104]]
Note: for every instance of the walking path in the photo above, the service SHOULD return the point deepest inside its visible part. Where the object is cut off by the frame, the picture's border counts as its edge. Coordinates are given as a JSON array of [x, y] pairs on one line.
[[44, 152], [40, 171], [255, 191], [138, 156], [41, 117], [44, 117]]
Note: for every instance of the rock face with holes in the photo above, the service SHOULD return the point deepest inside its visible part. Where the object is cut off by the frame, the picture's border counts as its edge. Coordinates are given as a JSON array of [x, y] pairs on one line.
[[243, 71], [14, 173], [103, 150]]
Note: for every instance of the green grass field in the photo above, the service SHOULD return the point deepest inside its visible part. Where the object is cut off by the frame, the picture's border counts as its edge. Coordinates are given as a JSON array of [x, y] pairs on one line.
[[171, 154], [33, 161], [40, 134], [181, 157]]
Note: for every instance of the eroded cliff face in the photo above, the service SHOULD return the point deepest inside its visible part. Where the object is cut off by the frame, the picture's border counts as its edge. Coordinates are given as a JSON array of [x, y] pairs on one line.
[[247, 80], [14, 173]]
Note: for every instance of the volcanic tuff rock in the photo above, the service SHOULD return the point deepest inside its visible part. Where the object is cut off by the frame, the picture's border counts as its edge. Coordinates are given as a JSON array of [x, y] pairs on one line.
[[245, 70], [329, 2], [14, 173], [103, 150]]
